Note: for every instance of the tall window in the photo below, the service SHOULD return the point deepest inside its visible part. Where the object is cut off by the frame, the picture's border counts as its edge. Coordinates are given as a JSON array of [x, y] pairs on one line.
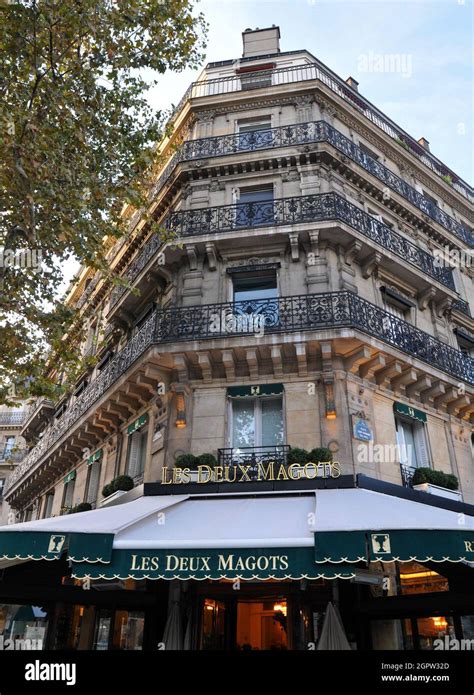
[[8, 446], [255, 207], [2, 485], [254, 286], [48, 505], [136, 454], [412, 444], [68, 495], [256, 422], [254, 134], [93, 478], [252, 292]]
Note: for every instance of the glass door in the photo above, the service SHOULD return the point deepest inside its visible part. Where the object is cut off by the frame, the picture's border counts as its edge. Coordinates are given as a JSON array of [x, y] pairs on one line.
[[213, 625]]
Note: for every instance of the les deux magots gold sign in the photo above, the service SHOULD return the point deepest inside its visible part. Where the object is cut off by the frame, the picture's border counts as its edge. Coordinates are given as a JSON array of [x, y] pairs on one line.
[[244, 473]]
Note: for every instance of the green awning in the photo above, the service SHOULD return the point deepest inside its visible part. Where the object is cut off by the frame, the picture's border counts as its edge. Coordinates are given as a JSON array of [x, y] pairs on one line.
[[245, 563], [38, 545], [139, 422], [70, 476], [255, 390], [95, 457], [390, 545], [408, 411]]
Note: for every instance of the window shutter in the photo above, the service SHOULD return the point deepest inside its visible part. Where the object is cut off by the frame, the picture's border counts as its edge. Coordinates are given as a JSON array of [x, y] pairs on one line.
[[69, 496], [421, 445], [93, 486], [401, 442], [142, 451], [48, 507], [134, 455]]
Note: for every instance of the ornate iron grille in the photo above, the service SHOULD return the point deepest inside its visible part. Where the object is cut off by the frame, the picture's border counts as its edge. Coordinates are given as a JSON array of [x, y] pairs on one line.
[[317, 71], [253, 456]]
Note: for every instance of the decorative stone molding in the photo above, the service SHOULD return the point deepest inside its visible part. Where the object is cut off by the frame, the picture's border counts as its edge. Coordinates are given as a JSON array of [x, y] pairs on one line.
[[294, 245], [192, 257], [211, 256]]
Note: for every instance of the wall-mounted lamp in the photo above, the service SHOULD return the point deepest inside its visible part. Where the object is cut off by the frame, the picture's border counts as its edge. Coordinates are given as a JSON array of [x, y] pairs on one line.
[[330, 403], [180, 411]]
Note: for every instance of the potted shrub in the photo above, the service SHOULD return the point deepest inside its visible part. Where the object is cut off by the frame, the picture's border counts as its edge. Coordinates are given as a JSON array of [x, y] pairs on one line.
[[117, 487], [189, 461], [207, 460], [296, 455], [122, 483], [107, 490], [193, 462], [297, 458], [320, 455], [436, 483], [317, 456], [81, 507]]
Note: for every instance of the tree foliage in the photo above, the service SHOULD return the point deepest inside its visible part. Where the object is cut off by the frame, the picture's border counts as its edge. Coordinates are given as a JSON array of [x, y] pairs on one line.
[[77, 138]]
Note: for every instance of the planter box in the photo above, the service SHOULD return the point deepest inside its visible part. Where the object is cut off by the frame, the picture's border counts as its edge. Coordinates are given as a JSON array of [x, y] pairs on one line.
[[193, 475], [312, 471], [122, 496], [455, 495]]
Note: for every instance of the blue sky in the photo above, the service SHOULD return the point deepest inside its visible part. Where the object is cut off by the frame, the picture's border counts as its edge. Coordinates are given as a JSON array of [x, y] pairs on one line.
[[432, 97]]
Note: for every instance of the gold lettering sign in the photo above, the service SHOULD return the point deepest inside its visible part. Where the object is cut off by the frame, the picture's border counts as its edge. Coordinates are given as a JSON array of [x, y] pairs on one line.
[[232, 562], [241, 473]]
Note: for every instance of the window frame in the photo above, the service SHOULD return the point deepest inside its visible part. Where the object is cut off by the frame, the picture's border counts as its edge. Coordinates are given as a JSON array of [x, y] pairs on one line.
[[420, 439], [98, 465], [143, 433], [257, 420]]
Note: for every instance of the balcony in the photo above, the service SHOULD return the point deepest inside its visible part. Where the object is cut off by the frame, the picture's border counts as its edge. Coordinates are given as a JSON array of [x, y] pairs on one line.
[[407, 473], [36, 417], [312, 312], [12, 455], [307, 133], [317, 71], [253, 456], [12, 419], [322, 207]]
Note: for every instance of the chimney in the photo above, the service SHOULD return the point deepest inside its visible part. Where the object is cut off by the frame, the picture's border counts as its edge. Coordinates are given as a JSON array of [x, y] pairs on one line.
[[424, 143], [261, 42], [353, 83]]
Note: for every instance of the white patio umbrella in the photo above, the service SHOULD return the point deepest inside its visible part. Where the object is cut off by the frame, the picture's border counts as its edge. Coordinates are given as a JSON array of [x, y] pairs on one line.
[[172, 636], [333, 636]]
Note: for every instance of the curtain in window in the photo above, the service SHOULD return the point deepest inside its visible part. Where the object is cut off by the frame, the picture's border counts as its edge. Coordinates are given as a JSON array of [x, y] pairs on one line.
[[272, 422], [93, 485], [243, 423]]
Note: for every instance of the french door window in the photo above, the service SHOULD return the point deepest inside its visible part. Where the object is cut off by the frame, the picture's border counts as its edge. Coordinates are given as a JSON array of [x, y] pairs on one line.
[[251, 294], [136, 454], [255, 207], [93, 478], [412, 444], [254, 135], [256, 422]]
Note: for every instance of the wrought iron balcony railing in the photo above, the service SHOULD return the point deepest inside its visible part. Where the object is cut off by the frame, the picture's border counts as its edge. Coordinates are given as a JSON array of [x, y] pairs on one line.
[[318, 71], [280, 315], [283, 211], [12, 419], [462, 306], [407, 473], [311, 312], [307, 133], [12, 455], [302, 209], [252, 456]]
